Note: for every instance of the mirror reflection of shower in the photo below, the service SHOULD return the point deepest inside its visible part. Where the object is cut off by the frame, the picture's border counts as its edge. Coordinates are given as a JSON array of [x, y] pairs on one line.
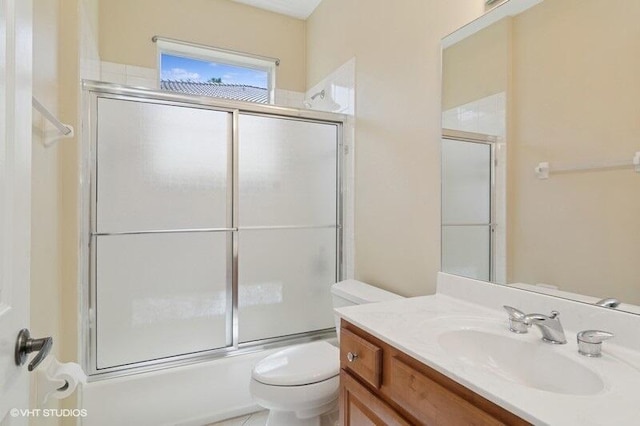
[[468, 204], [308, 103]]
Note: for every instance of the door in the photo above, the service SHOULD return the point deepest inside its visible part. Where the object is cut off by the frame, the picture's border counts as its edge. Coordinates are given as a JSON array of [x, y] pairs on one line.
[[15, 196], [161, 232], [287, 226]]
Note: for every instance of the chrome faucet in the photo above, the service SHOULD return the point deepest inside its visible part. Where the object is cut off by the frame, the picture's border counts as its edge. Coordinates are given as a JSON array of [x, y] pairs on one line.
[[552, 331]]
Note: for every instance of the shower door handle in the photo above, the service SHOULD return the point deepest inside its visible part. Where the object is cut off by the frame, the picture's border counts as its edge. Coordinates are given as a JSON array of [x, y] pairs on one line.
[[25, 345]]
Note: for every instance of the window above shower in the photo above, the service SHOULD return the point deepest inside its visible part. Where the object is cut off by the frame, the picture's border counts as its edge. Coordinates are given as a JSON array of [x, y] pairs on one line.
[[207, 71]]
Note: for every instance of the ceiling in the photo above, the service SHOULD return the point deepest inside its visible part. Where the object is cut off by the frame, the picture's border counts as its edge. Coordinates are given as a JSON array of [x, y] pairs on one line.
[[300, 9]]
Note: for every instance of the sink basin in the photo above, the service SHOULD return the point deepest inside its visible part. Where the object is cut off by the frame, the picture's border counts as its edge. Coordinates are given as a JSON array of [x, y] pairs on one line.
[[533, 365]]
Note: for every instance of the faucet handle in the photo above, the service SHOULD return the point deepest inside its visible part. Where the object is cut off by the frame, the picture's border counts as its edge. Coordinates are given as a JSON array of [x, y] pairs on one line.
[[516, 320], [513, 312], [590, 342], [609, 302]]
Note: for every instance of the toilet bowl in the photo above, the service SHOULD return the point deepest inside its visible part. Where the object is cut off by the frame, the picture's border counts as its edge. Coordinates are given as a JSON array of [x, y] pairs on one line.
[[299, 384]]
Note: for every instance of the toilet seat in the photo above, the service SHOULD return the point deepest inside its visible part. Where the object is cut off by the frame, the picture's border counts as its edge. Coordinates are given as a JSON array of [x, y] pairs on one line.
[[299, 365]]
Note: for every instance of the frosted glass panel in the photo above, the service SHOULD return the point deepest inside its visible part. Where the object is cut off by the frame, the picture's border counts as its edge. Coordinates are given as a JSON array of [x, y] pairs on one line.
[[466, 251], [160, 295], [285, 278], [160, 167], [466, 182], [287, 172]]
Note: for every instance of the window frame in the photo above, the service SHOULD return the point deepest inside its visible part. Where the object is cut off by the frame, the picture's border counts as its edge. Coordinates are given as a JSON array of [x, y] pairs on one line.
[[218, 55]]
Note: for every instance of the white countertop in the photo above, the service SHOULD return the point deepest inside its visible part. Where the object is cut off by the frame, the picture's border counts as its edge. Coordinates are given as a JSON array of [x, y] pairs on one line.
[[413, 325]]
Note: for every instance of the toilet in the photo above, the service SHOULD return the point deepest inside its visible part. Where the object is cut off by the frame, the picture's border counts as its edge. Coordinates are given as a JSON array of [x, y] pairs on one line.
[[299, 384]]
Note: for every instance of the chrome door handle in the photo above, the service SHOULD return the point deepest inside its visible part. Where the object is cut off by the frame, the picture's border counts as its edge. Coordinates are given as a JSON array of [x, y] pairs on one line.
[[25, 345], [352, 356]]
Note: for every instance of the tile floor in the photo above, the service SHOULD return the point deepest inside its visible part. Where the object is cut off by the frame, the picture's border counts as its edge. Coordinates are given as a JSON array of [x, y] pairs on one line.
[[260, 419], [255, 419]]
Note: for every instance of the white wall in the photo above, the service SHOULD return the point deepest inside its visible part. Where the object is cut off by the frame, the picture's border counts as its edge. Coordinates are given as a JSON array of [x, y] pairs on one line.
[[146, 77]]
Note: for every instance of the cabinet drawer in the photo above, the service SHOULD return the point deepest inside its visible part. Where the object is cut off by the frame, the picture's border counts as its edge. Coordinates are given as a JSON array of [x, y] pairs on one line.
[[429, 401], [362, 358]]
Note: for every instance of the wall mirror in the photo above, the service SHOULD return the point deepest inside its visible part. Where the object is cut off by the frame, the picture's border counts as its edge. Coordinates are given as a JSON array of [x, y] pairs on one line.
[[541, 149]]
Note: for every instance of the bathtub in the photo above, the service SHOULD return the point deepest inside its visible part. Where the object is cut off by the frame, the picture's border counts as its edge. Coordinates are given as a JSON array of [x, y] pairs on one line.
[[192, 395]]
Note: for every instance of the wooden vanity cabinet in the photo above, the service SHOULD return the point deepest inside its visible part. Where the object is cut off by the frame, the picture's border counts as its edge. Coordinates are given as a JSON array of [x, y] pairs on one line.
[[380, 385]]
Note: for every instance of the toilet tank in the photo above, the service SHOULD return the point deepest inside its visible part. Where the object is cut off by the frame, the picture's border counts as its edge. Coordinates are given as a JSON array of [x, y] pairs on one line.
[[353, 292]]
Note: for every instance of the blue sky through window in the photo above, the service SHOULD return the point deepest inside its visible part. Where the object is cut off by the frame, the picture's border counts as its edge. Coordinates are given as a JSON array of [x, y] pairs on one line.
[[188, 69]]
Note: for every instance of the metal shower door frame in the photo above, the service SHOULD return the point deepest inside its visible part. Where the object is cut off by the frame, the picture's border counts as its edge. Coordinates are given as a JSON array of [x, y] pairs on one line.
[[491, 141], [92, 92]]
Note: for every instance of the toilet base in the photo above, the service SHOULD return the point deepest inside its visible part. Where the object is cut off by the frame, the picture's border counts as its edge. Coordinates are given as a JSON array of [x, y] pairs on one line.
[[288, 418], [322, 416]]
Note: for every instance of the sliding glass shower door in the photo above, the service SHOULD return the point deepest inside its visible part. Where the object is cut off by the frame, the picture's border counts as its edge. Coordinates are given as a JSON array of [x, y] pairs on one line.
[[287, 225], [162, 231], [212, 228]]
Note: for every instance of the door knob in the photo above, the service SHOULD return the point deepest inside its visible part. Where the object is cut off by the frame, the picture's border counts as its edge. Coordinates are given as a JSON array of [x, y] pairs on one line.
[[25, 345]]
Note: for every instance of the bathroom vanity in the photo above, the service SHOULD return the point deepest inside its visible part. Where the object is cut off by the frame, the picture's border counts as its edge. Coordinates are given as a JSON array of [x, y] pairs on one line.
[[381, 384], [450, 359]]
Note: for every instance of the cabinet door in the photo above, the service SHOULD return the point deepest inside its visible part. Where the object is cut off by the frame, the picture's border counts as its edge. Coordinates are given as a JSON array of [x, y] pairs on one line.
[[359, 407], [430, 402]]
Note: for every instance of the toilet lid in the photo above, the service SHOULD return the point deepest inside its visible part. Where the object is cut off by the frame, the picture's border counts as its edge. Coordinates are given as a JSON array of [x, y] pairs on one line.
[[299, 365]]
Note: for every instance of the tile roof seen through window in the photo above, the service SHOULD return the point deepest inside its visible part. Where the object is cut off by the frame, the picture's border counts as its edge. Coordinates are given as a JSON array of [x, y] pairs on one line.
[[239, 92]]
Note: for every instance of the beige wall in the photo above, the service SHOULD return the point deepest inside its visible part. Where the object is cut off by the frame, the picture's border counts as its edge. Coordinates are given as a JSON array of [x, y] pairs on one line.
[[397, 130], [68, 178], [45, 201], [575, 86], [78, 59], [477, 66], [126, 28], [45, 257], [58, 54], [57, 57]]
